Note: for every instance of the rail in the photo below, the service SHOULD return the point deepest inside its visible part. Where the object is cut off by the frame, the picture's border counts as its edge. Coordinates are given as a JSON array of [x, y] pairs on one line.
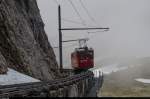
[[36, 88]]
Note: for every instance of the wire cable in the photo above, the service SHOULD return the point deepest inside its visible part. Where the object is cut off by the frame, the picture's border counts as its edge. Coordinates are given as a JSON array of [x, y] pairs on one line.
[[71, 21], [83, 22], [88, 13], [90, 16], [66, 46]]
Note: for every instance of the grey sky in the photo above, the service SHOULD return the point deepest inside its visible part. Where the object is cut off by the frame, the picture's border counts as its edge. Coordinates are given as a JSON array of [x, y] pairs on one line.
[[129, 22]]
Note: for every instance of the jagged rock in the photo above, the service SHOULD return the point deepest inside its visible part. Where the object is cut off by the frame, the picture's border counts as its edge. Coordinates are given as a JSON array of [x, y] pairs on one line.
[[23, 41], [3, 65]]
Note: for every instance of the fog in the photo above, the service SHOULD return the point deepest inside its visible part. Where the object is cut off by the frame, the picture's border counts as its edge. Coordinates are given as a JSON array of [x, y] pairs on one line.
[[128, 20]]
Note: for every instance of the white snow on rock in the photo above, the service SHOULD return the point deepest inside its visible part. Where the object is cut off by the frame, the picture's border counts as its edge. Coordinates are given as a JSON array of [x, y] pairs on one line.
[[142, 80], [14, 77]]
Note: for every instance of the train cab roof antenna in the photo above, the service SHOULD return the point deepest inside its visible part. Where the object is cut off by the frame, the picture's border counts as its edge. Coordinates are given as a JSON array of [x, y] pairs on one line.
[[69, 29]]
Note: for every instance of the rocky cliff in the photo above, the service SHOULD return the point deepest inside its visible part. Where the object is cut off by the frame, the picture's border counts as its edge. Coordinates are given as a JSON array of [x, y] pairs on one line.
[[24, 44]]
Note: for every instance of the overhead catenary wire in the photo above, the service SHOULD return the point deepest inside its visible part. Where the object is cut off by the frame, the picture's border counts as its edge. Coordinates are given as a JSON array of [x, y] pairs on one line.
[[88, 13], [66, 46], [90, 16], [71, 21], [83, 22], [74, 7], [79, 15], [72, 4]]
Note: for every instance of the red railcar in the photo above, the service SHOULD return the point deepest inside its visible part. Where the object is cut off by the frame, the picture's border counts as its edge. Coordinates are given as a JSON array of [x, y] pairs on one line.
[[82, 58]]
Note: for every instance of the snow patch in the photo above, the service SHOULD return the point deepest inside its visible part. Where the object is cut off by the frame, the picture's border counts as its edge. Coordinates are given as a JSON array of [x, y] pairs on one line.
[[14, 77], [106, 70], [142, 80], [112, 68]]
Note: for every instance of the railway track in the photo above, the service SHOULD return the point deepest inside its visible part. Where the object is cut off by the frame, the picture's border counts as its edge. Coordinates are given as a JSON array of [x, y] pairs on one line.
[[36, 88]]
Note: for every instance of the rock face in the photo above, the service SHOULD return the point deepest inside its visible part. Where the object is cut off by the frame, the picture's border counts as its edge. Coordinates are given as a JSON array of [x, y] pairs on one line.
[[3, 65], [24, 44]]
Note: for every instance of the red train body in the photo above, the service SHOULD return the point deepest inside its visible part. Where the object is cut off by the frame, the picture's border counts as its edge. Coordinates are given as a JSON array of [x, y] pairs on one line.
[[82, 58]]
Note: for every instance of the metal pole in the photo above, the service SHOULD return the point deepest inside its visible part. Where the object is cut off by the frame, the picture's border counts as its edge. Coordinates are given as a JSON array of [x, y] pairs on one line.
[[60, 39], [75, 40], [84, 29]]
